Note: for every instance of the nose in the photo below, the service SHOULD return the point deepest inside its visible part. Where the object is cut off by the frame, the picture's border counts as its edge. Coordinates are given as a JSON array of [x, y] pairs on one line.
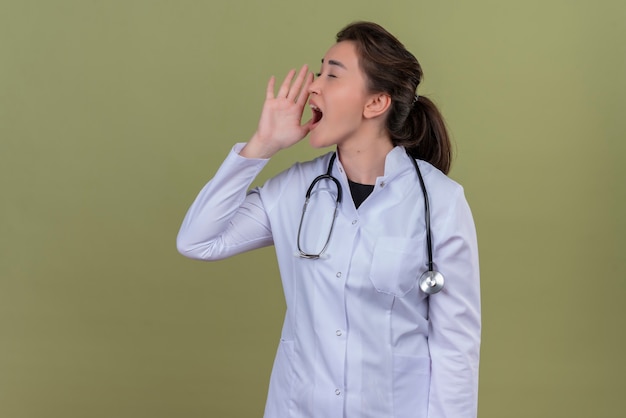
[[314, 86]]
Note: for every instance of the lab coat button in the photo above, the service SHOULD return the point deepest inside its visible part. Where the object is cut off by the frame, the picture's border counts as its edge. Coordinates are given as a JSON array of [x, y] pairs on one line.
[[338, 332], [382, 184], [337, 392], [354, 222], [338, 274]]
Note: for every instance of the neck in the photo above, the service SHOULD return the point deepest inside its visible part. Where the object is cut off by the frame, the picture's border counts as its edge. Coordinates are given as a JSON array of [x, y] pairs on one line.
[[364, 160]]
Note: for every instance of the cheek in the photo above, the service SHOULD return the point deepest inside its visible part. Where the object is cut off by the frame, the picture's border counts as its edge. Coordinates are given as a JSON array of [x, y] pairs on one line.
[[348, 118], [346, 111]]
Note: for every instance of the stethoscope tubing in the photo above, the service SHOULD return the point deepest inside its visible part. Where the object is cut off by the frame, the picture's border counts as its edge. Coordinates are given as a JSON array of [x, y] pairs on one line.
[[431, 281], [429, 240]]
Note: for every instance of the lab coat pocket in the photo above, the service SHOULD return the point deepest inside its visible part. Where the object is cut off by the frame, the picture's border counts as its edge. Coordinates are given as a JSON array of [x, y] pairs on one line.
[[411, 386], [396, 264]]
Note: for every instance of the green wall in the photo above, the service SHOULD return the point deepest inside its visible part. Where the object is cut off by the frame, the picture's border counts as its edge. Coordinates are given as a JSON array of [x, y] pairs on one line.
[[114, 113]]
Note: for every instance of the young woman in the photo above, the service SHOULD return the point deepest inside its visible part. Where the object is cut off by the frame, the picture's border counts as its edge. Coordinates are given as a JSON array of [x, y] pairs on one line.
[[364, 333]]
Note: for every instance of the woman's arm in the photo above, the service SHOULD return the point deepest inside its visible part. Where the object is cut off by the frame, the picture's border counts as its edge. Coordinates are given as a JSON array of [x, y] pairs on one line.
[[455, 324], [225, 220]]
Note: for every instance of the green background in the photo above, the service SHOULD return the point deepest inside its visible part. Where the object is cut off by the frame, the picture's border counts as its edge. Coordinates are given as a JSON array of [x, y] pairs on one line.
[[113, 114]]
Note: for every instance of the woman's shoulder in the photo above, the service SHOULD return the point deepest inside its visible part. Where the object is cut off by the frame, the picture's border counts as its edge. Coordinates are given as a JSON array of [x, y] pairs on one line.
[[436, 179], [297, 174], [315, 166], [446, 195]]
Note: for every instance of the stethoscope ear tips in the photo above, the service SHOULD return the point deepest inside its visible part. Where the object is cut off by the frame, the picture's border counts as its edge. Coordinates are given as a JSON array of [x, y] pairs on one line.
[[431, 282]]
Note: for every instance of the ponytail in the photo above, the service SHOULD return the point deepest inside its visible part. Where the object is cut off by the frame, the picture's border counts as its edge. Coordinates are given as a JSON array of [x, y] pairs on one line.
[[425, 136], [413, 123]]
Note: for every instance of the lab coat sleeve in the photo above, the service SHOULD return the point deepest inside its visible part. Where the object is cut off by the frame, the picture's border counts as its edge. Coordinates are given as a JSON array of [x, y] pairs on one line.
[[455, 324], [225, 219]]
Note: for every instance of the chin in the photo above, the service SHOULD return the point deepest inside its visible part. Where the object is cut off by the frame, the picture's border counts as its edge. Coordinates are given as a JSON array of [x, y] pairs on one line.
[[319, 139], [316, 141]]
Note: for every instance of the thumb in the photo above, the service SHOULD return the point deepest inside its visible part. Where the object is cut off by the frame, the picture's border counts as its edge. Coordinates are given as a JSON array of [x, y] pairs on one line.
[[307, 126]]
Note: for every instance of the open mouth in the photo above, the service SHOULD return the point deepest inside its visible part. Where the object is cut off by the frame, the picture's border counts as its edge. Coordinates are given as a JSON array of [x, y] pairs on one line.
[[317, 114]]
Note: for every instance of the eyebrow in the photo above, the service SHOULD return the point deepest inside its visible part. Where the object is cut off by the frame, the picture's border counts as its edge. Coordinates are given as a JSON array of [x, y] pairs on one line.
[[336, 63]]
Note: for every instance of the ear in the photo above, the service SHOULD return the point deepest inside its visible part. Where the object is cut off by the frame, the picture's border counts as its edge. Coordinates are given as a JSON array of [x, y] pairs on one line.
[[376, 105]]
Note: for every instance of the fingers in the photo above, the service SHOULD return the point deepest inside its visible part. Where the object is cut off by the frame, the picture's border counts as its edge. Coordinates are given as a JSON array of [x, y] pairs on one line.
[[304, 92], [296, 92], [284, 88], [269, 92]]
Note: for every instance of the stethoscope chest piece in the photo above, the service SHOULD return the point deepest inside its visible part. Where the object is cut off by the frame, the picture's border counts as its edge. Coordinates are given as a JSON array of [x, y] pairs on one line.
[[431, 282]]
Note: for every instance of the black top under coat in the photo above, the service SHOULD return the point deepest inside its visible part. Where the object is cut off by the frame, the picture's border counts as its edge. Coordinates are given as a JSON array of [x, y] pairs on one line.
[[360, 192]]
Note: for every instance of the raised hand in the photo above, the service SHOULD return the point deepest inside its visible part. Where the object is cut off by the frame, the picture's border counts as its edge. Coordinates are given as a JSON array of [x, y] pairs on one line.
[[280, 123]]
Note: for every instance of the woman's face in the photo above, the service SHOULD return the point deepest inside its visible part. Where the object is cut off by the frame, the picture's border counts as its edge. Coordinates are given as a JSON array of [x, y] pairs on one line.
[[338, 97]]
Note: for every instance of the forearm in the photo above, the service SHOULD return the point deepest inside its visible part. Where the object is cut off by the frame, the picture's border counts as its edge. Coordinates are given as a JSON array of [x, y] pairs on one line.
[[223, 220]]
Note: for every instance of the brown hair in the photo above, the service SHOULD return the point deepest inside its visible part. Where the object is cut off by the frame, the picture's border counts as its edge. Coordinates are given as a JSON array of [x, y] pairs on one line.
[[413, 123]]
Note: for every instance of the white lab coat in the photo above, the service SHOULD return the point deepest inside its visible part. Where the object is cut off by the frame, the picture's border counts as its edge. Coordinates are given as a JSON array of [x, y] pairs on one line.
[[359, 338]]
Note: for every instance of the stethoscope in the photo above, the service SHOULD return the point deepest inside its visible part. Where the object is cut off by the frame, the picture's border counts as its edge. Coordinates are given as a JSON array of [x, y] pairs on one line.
[[430, 282]]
